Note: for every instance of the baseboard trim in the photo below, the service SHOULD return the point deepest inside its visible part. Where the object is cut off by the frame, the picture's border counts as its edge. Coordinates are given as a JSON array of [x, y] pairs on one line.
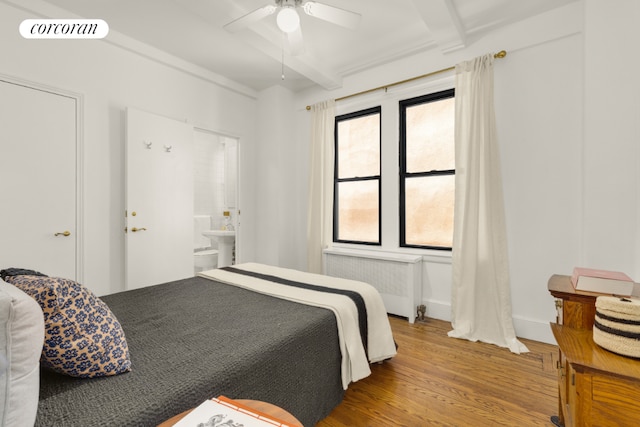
[[525, 328]]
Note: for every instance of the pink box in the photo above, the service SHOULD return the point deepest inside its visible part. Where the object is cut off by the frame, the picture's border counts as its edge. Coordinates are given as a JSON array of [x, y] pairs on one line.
[[601, 281]]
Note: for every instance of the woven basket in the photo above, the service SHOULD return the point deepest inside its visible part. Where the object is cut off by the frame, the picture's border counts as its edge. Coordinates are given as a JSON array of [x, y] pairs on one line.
[[617, 325]]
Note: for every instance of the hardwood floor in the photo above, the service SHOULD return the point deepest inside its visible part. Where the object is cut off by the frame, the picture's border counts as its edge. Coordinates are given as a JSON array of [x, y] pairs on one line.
[[440, 381]]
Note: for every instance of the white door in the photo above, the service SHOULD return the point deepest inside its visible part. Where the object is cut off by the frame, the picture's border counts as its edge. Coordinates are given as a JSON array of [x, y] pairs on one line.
[[38, 173], [159, 177]]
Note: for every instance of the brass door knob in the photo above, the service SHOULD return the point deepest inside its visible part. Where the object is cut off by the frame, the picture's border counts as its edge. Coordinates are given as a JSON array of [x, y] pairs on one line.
[[63, 233], [134, 229]]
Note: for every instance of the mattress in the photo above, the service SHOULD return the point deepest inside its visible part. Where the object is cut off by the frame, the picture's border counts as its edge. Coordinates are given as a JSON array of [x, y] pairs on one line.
[[194, 339], [363, 326]]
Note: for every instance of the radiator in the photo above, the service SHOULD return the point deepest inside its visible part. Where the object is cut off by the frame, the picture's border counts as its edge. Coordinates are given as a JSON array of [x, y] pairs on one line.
[[398, 277]]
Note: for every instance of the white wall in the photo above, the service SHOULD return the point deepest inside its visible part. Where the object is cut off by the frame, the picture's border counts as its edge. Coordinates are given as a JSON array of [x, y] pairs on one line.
[[209, 177], [567, 112], [112, 78], [280, 178], [612, 136], [539, 109]]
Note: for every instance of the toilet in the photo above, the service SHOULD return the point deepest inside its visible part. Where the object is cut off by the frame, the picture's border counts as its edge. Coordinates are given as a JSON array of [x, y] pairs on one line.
[[204, 258]]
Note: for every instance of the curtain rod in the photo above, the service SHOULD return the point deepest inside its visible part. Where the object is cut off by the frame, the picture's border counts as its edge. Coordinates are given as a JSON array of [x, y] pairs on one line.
[[500, 54]]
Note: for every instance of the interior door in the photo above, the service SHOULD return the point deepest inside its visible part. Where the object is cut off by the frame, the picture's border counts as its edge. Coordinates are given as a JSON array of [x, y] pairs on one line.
[[159, 176], [38, 180]]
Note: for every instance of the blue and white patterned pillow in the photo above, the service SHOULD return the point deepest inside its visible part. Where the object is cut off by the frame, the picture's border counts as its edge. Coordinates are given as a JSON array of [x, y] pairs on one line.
[[82, 336]]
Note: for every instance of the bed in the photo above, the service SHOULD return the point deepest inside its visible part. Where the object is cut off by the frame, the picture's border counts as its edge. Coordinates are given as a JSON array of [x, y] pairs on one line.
[[223, 333]]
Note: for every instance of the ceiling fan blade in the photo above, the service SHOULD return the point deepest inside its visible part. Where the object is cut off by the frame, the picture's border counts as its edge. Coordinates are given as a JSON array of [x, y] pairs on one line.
[[296, 42], [249, 18], [335, 15]]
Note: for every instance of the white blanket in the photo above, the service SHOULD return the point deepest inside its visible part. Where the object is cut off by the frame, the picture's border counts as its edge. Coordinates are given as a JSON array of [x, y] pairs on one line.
[[355, 362]]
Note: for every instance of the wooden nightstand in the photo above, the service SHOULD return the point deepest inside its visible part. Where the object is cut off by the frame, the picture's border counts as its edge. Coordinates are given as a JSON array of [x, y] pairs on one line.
[[595, 387]]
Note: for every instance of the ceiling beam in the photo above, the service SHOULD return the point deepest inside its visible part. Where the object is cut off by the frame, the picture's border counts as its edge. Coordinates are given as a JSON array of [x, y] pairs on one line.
[[443, 21]]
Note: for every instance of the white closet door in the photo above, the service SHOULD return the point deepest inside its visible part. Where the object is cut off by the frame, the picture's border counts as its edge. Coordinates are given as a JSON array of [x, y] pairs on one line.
[[159, 237], [38, 225]]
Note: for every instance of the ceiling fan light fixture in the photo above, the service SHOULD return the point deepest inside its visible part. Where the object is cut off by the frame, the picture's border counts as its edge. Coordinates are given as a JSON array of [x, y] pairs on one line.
[[308, 8], [288, 19]]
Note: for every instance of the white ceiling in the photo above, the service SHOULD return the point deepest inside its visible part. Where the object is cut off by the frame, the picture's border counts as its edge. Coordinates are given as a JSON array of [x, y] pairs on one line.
[[390, 29]]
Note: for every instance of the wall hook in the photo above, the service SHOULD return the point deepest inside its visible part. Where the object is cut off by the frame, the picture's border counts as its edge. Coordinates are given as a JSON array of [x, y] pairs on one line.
[[148, 144], [168, 148]]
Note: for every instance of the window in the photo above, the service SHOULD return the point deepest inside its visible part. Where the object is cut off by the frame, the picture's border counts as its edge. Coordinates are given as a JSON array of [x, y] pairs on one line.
[[427, 170], [356, 207]]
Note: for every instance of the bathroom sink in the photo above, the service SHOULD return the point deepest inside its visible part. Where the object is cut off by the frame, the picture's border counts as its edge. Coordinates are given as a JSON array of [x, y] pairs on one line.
[[221, 235], [226, 240]]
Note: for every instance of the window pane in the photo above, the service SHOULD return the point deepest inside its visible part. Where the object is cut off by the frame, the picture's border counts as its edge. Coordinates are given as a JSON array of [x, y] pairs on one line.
[[430, 136], [429, 210], [358, 211], [359, 147]]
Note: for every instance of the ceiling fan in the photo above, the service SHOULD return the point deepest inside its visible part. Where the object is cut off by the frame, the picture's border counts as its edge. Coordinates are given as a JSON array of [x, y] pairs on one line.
[[288, 19]]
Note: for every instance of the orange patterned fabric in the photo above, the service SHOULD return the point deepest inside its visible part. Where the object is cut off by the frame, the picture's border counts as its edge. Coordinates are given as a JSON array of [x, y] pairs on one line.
[[82, 336]]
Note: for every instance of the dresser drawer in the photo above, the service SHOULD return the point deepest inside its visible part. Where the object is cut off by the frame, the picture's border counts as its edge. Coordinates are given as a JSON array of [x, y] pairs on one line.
[[615, 401]]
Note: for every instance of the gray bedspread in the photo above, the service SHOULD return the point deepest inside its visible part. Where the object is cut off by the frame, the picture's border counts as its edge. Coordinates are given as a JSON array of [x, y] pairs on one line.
[[194, 339]]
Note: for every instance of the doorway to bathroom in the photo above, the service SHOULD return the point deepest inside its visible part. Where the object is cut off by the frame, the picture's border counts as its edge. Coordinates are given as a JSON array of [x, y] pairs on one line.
[[215, 198]]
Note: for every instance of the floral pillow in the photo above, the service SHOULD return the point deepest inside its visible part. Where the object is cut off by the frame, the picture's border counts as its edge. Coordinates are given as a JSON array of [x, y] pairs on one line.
[[82, 336]]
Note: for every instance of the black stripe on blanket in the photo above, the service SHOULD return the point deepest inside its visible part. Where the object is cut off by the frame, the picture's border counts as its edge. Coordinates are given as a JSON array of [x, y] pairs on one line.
[[355, 296]]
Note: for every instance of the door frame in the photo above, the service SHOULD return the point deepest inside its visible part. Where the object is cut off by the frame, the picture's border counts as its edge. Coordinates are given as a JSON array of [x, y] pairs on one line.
[[79, 164], [238, 246]]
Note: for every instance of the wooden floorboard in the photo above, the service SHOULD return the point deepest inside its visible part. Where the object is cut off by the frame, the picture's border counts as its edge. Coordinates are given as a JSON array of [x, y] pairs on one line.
[[439, 381]]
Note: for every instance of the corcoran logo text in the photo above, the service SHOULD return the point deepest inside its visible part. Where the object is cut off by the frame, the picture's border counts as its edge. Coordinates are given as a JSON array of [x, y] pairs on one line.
[[64, 29]]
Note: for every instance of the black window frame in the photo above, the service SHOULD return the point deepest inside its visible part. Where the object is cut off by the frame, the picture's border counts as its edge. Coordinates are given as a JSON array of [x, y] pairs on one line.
[[337, 180], [402, 108]]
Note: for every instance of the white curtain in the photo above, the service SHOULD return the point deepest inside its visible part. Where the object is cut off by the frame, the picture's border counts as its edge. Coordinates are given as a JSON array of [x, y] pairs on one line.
[[481, 298], [320, 216]]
